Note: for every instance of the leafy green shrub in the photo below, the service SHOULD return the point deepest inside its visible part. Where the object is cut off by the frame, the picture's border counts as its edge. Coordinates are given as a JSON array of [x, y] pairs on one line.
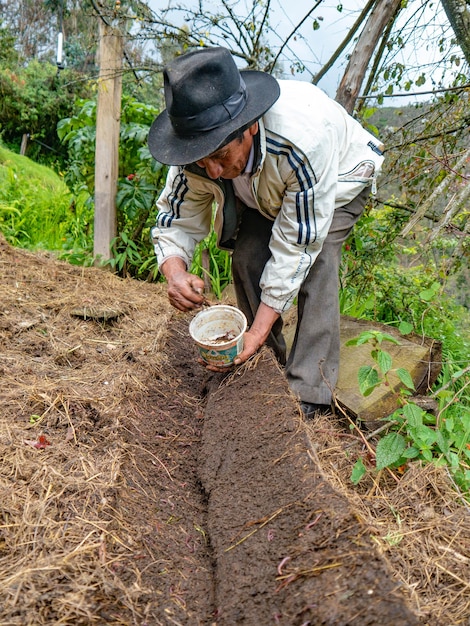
[[383, 281], [140, 181], [415, 434], [401, 284], [34, 98]]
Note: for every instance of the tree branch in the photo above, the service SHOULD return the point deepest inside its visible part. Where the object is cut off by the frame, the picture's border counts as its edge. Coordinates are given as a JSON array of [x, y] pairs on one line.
[[349, 37], [296, 28]]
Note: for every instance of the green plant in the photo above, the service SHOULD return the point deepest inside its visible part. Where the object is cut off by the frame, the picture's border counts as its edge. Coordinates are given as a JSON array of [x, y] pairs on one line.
[[77, 246], [125, 254], [218, 270], [34, 98], [443, 438], [11, 224], [370, 377], [35, 204], [387, 279], [140, 181]]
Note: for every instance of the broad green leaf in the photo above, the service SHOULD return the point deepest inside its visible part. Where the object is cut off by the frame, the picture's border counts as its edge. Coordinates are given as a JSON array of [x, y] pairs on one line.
[[389, 449], [405, 328], [427, 455], [405, 377], [362, 338], [449, 424], [414, 414], [424, 437], [464, 419], [386, 337], [358, 471], [411, 453], [442, 442], [460, 439], [454, 460], [428, 294], [368, 379], [368, 112], [384, 360]]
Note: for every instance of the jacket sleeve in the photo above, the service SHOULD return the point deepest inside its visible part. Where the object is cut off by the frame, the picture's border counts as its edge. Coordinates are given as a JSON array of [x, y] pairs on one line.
[[183, 218], [303, 221]]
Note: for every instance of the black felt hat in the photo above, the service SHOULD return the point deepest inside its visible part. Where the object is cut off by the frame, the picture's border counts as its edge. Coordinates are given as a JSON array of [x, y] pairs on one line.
[[207, 99]]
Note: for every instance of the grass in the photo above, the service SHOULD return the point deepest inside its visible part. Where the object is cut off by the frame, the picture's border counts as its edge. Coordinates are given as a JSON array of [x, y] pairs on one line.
[[35, 203]]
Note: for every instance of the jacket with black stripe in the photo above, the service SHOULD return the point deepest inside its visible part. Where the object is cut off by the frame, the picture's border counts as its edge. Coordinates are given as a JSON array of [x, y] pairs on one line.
[[312, 157]]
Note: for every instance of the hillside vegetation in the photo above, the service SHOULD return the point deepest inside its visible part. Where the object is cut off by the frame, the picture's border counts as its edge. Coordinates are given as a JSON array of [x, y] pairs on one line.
[[35, 203]]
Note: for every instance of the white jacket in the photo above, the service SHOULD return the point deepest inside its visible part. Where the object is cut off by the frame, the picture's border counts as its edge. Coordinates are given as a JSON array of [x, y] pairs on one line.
[[312, 158]]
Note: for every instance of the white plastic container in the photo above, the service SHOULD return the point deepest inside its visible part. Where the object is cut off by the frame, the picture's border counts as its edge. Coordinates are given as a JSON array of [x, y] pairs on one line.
[[218, 332]]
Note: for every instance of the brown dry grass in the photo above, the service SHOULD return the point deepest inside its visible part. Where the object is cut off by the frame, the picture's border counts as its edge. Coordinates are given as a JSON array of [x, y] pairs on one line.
[[419, 521], [62, 533]]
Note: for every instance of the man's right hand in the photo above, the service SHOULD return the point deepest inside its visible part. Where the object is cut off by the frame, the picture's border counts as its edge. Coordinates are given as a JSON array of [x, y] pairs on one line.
[[185, 290]]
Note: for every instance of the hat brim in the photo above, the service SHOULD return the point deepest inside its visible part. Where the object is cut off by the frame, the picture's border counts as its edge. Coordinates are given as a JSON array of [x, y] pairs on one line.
[[170, 149]]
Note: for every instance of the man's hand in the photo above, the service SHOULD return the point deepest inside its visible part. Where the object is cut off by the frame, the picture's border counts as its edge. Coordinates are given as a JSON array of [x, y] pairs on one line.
[[254, 338], [251, 344], [184, 289]]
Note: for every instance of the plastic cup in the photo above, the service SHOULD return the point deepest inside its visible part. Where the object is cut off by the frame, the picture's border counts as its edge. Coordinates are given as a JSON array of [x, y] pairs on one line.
[[218, 333]]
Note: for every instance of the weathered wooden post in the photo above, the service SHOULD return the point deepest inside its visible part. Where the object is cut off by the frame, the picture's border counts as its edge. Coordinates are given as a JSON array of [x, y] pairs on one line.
[[107, 139], [24, 143]]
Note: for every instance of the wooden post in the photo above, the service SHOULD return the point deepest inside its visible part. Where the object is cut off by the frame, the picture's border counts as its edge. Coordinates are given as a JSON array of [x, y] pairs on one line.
[[24, 144], [107, 140]]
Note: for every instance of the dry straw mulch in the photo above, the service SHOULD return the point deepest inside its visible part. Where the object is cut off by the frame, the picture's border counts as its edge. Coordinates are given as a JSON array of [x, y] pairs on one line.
[[68, 369], [419, 520]]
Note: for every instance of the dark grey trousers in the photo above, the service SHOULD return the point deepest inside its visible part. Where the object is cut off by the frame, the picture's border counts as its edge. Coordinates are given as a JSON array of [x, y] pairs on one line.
[[313, 363]]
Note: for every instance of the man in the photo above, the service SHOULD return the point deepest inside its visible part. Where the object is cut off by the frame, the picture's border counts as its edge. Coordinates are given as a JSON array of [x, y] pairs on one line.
[[289, 171]]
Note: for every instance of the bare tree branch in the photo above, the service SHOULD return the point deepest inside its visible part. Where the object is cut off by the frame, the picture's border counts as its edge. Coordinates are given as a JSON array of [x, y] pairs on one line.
[[294, 30], [346, 41], [438, 191], [383, 12]]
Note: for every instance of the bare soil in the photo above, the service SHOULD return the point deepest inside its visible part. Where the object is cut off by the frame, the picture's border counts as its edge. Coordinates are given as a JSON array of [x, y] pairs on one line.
[[137, 488]]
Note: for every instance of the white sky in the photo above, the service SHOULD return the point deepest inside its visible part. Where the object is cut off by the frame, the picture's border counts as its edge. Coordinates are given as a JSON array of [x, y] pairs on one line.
[[317, 45], [314, 47]]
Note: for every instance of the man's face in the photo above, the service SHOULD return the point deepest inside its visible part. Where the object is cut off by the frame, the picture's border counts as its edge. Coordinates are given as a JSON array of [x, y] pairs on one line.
[[230, 161]]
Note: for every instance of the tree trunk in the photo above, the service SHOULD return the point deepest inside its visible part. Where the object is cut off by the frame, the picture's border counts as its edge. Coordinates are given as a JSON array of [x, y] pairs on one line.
[[458, 14], [107, 140], [353, 77]]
